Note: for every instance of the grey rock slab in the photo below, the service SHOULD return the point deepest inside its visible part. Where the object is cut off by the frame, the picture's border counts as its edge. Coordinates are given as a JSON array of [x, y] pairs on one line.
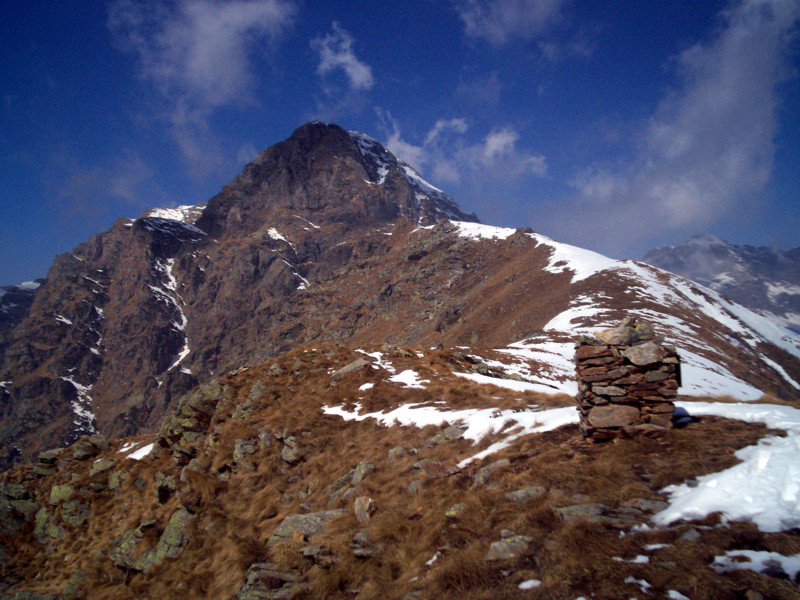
[[613, 415], [353, 367], [483, 474], [527, 493], [644, 354], [509, 547], [310, 524]]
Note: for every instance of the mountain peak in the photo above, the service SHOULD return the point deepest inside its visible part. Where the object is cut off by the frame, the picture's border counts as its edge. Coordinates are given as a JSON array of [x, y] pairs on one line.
[[325, 172]]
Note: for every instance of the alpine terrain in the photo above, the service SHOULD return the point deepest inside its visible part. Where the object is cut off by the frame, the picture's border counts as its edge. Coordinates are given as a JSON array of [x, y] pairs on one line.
[[765, 280], [329, 381]]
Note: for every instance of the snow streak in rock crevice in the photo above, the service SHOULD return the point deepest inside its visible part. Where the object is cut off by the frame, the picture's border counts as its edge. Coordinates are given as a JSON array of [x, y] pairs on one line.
[[169, 294], [84, 418]]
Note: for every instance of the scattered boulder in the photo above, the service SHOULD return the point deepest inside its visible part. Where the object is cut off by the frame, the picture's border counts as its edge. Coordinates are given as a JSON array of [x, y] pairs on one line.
[[436, 469], [265, 581], [453, 432], [511, 545], [74, 512], [309, 524], [101, 466], [352, 367], [61, 493], [364, 508], [362, 547], [170, 544], [361, 471], [454, 512], [16, 507], [527, 493], [291, 454], [341, 486], [484, 473]]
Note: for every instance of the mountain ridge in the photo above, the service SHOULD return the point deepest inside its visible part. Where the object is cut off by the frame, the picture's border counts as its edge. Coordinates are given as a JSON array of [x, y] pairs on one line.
[[325, 238], [764, 279]]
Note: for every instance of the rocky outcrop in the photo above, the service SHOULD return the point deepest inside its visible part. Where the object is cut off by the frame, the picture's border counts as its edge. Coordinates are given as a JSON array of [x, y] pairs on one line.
[[627, 382]]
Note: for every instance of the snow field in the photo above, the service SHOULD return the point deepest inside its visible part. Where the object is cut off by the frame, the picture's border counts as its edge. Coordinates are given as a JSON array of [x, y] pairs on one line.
[[764, 488]]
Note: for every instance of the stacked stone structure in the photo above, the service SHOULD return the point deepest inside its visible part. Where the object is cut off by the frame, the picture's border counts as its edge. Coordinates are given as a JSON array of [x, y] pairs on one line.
[[627, 382]]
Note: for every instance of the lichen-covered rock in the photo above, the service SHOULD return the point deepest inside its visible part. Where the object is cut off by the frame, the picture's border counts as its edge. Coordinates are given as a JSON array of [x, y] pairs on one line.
[[267, 581], [61, 493], [309, 524], [101, 466], [454, 512], [453, 432], [170, 544], [14, 491], [74, 512], [527, 493], [483, 474], [361, 471], [340, 486], [291, 453]]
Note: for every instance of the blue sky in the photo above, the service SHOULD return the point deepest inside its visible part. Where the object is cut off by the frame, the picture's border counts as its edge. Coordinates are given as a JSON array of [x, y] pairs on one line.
[[616, 126]]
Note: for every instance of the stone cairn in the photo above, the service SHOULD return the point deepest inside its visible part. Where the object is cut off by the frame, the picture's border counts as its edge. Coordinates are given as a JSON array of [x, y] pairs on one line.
[[627, 382]]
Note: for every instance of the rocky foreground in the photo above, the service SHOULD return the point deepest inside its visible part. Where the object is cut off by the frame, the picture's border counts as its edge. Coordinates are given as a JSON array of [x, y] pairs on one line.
[[273, 482]]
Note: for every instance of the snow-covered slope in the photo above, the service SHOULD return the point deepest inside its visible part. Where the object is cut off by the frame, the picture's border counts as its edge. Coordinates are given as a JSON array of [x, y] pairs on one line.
[[685, 313]]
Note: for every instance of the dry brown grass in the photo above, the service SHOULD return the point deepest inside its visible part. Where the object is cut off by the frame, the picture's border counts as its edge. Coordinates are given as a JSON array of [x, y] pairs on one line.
[[239, 507]]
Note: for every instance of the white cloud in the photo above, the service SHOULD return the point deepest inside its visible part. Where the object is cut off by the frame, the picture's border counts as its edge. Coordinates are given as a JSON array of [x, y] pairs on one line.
[[336, 53], [447, 153], [499, 20], [200, 48], [92, 191], [199, 54], [709, 146]]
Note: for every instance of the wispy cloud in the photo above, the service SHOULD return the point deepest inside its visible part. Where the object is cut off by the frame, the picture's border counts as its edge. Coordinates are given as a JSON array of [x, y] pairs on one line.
[[498, 21], [199, 55], [91, 192], [336, 53], [450, 157], [480, 91], [709, 145]]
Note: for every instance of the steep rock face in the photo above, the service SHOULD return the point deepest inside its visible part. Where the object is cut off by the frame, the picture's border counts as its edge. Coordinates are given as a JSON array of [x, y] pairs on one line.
[[763, 279], [326, 237], [15, 301], [109, 339]]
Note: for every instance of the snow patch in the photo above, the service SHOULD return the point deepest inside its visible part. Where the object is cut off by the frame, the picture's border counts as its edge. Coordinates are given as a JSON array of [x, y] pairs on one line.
[[410, 379], [28, 285], [764, 488], [755, 560], [141, 452], [479, 231], [529, 584], [276, 235], [478, 422]]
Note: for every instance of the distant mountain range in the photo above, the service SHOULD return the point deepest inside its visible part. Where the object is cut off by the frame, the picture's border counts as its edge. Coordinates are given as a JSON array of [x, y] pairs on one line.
[[763, 279], [327, 237]]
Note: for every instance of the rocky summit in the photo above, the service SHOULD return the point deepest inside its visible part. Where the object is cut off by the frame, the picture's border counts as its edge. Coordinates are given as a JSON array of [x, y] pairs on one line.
[[328, 381]]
